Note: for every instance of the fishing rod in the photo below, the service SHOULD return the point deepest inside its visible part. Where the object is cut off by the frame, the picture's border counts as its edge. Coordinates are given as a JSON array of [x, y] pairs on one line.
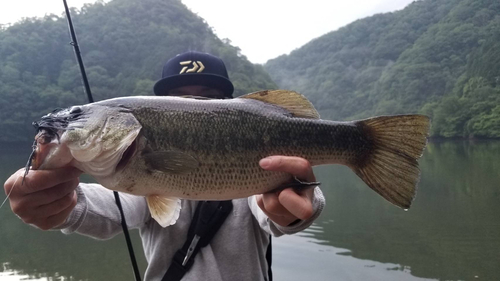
[[86, 85]]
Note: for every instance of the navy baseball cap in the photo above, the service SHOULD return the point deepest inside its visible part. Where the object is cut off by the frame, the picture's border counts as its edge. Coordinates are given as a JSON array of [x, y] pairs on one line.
[[194, 68]]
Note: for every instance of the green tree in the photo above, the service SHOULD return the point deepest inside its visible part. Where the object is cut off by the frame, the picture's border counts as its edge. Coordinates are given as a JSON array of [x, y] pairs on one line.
[[124, 45], [440, 58]]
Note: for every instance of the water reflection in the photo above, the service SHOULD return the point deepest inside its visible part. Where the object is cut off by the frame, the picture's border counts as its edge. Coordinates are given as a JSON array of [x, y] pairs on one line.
[[303, 257], [8, 274], [51, 254], [452, 231]]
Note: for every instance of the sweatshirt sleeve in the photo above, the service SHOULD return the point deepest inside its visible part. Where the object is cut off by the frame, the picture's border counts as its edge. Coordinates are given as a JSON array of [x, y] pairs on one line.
[[96, 214], [318, 202]]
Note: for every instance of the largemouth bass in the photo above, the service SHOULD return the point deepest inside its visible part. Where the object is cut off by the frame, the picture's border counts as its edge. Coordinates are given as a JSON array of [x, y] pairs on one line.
[[168, 148]]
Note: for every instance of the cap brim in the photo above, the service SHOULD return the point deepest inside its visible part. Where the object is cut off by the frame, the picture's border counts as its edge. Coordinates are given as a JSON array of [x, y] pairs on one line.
[[163, 86]]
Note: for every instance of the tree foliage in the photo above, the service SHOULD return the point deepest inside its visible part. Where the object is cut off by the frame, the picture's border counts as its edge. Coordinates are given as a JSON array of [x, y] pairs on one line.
[[124, 45], [440, 58]]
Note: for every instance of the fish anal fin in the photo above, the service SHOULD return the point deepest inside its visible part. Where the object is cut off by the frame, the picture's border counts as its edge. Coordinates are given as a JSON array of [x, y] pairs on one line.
[[292, 101], [164, 210], [173, 162], [391, 169]]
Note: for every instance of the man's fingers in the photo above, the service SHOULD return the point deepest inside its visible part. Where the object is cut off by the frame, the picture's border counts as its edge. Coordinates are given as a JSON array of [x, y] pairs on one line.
[[273, 205], [49, 195], [299, 206], [299, 167], [37, 180], [281, 220], [58, 219], [288, 205], [54, 208], [13, 179]]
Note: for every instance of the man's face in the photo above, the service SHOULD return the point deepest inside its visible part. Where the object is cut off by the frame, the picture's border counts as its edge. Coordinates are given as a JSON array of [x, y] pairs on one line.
[[200, 91]]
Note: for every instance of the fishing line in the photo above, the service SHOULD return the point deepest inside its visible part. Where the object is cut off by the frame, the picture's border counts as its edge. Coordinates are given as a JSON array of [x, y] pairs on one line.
[[86, 85], [26, 170], [8, 195]]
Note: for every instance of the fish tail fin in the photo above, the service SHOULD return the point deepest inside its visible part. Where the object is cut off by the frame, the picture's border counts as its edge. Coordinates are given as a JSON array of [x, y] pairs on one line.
[[391, 169]]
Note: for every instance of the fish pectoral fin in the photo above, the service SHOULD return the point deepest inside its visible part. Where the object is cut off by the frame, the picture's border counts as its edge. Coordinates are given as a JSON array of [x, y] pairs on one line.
[[174, 162], [165, 210], [292, 101]]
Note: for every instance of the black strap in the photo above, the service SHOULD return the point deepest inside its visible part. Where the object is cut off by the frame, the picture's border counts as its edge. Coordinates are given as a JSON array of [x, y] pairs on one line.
[[269, 259], [208, 218]]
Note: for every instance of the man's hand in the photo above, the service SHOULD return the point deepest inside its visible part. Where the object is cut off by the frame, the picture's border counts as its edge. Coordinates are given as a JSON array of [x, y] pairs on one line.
[[287, 206], [46, 198]]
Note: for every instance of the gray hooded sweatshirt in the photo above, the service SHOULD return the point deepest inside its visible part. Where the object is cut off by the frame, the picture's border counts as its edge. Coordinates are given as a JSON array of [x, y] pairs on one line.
[[237, 251]]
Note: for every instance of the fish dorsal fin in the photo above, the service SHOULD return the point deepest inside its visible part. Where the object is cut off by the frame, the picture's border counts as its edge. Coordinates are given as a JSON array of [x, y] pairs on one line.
[[292, 101]]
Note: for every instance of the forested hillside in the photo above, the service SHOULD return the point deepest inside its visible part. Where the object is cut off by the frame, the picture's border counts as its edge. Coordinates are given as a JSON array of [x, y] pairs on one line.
[[124, 44], [440, 58]]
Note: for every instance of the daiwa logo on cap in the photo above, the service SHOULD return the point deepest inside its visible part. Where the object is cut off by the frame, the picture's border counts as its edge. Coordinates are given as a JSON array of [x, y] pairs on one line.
[[197, 67], [194, 68]]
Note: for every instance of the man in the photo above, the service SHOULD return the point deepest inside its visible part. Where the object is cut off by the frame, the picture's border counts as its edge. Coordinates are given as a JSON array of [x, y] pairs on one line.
[[56, 200]]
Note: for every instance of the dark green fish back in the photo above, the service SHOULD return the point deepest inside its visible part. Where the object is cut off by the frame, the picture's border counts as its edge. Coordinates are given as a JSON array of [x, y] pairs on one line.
[[235, 128]]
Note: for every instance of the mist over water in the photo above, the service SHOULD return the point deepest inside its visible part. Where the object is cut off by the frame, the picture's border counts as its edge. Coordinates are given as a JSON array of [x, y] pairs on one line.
[[451, 232]]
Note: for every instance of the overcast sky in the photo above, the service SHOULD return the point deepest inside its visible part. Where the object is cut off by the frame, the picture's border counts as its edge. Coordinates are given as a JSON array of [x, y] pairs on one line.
[[262, 29]]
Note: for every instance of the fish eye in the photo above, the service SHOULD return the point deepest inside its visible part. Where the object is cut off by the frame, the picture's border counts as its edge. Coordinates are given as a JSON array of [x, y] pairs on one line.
[[75, 109]]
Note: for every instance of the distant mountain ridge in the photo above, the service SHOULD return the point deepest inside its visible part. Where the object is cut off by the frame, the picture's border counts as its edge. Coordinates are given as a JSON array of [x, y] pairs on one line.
[[440, 58], [124, 44]]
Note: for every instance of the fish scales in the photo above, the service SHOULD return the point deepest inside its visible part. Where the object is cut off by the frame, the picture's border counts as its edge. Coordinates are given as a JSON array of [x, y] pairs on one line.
[[229, 138]]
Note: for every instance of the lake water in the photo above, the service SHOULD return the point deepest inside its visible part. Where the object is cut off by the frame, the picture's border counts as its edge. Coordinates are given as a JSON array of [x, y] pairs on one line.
[[452, 231]]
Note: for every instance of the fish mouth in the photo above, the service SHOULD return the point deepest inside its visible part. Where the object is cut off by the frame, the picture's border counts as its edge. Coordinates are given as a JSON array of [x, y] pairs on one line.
[[49, 129], [58, 120], [42, 147]]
